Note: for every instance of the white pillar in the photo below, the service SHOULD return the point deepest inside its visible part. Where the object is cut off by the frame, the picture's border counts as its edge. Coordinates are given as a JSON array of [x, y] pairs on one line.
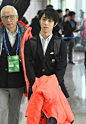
[[55, 4], [31, 12]]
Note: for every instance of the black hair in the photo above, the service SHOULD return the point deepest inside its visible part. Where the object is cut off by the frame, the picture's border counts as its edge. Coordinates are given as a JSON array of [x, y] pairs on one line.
[[49, 6], [39, 12], [66, 10], [50, 14], [71, 13], [59, 10]]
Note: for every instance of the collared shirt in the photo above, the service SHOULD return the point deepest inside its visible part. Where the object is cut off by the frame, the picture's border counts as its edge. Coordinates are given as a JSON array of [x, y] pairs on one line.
[[45, 42], [12, 37]]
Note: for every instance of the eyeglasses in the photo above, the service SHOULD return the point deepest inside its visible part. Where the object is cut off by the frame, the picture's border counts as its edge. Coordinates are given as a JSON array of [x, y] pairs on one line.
[[11, 17]]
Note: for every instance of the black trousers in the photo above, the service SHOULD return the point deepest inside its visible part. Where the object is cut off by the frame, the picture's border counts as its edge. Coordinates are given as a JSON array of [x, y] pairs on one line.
[[70, 44]]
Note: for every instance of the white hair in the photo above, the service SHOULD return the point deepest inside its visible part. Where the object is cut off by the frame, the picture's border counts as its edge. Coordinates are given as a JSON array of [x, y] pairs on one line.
[[9, 6]]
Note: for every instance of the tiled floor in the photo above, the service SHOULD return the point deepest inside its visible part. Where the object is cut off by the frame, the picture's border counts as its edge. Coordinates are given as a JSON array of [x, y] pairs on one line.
[[76, 86]]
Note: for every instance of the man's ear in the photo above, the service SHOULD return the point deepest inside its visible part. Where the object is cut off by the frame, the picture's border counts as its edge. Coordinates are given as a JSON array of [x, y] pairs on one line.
[[55, 24], [17, 17]]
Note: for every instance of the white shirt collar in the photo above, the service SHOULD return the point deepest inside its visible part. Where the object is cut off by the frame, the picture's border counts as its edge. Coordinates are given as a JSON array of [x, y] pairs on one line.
[[11, 36], [47, 39], [45, 42]]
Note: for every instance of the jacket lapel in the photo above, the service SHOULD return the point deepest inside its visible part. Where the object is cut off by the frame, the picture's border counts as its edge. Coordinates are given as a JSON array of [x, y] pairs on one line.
[[7, 42], [49, 49], [39, 49], [15, 45]]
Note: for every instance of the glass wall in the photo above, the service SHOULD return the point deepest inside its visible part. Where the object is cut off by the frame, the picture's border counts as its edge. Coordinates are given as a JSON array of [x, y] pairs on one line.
[[56, 3], [73, 5], [84, 7], [62, 4], [48, 2], [70, 5]]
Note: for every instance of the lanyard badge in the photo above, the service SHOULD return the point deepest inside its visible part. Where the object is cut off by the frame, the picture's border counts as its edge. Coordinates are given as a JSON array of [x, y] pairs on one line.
[[13, 61]]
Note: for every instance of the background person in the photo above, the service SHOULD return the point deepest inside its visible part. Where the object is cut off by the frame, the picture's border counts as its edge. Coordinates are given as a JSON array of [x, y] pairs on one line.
[[57, 30], [35, 24], [69, 28], [67, 13]]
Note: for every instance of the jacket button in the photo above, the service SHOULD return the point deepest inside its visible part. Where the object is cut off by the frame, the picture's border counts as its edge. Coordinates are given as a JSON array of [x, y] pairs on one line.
[[5, 69], [43, 70]]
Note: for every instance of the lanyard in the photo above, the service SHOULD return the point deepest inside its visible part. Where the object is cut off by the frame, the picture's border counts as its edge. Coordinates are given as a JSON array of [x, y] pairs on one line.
[[7, 51], [67, 37]]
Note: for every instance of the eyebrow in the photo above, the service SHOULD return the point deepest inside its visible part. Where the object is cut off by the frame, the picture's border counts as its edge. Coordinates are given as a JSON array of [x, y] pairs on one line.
[[48, 18]]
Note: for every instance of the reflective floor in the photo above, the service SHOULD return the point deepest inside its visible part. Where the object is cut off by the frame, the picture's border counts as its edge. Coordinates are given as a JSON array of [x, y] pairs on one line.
[[76, 85]]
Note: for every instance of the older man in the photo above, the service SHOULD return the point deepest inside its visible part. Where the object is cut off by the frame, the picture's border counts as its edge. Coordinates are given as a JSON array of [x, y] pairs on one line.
[[11, 73]]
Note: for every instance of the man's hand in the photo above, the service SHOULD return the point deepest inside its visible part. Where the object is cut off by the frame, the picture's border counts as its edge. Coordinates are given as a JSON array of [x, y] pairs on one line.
[[76, 26], [80, 27]]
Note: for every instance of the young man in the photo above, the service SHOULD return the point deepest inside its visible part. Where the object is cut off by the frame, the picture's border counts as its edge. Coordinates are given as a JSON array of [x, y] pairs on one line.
[[12, 80], [60, 17], [71, 42], [67, 14], [40, 58], [46, 54], [35, 24]]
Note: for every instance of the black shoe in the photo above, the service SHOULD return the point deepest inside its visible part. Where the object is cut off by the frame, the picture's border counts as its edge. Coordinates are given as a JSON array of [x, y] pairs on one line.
[[71, 62]]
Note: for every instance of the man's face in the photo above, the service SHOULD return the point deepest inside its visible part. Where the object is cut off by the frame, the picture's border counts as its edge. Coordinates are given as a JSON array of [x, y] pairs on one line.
[[67, 12], [46, 24], [73, 17], [9, 18], [60, 15]]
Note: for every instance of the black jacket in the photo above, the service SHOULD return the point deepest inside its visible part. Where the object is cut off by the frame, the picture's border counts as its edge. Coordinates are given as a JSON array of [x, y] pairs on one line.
[[38, 65]]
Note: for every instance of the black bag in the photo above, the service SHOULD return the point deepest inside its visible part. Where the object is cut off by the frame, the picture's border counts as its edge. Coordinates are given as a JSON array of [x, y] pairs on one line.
[[20, 5]]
